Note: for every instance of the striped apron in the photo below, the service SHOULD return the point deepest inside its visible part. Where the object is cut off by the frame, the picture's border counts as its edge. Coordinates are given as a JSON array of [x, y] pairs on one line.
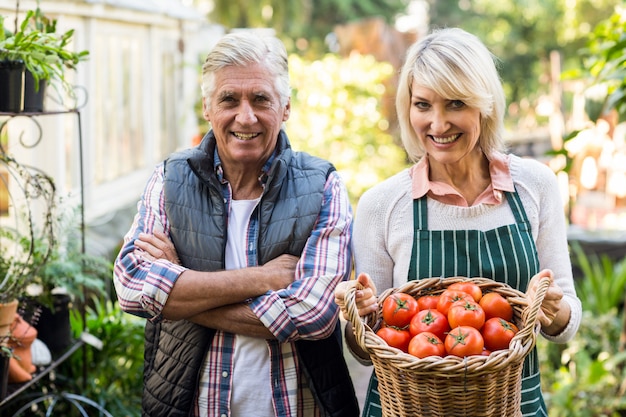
[[506, 254]]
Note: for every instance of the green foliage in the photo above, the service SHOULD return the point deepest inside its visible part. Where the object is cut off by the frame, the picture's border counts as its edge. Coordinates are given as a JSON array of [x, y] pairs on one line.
[[337, 115], [307, 21], [114, 373], [31, 222], [67, 266], [45, 53], [585, 378], [73, 271], [606, 61], [603, 285], [524, 33]]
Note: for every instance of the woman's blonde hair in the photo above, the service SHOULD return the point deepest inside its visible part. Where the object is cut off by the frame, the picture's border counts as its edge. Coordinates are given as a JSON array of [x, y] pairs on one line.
[[457, 66]]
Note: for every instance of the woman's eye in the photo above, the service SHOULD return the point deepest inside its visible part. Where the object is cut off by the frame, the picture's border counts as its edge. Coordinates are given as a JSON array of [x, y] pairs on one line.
[[421, 105], [457, 104]]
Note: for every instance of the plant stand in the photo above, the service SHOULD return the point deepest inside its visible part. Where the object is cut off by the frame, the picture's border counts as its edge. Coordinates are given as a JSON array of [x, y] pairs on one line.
[[13, 392]]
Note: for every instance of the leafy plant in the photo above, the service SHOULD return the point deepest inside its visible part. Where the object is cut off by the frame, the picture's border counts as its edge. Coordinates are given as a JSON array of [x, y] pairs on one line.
[[585, 378], [606, 60], [45, 53], [603, 285], [115, 372], [19, 259], [68, 267]]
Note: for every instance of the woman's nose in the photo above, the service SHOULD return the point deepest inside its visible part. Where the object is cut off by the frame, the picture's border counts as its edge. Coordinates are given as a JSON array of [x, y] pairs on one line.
[[439, 122]]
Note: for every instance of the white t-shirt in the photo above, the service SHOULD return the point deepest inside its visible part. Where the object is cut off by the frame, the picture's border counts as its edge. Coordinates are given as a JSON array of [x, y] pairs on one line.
[[252, 388]]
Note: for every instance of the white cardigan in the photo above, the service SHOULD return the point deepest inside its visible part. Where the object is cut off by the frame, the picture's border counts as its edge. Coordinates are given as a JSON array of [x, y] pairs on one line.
[[383, 228]]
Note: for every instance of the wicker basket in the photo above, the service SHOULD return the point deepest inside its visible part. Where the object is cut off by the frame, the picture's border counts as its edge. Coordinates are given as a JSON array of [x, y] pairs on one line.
[[474, 386]]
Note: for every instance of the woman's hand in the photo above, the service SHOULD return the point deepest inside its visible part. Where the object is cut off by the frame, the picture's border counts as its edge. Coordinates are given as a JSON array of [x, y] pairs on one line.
[[366, 301], [156, 246], [554, 314]]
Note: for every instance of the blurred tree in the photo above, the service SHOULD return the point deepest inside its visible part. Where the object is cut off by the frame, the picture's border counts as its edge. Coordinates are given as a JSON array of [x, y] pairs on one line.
[[522, 33], [336, 114], [302, 24], [605, 62]]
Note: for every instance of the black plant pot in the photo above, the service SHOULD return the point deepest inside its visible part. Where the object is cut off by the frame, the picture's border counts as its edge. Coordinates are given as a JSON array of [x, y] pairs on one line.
[[11, 86], [33, 97], [4, 375], [53, 326]]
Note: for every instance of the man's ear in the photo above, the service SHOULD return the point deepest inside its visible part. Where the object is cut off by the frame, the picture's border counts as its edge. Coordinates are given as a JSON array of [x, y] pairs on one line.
[[205, 111], [287, 111]]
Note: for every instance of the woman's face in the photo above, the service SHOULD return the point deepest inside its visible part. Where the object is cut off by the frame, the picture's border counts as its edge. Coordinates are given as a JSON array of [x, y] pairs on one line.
[[447, 128], [246, 115]]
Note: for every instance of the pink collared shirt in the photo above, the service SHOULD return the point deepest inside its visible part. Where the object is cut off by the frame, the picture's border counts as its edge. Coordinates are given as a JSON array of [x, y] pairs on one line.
[[500, 181]]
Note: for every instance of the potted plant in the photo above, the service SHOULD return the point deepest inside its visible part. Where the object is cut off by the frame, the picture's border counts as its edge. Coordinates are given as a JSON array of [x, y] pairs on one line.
[[44, 54], [65, 279], [19, 260]]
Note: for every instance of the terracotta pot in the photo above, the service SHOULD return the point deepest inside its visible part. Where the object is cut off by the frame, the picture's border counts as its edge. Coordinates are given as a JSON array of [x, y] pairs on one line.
[[7, 315], [21, 365]]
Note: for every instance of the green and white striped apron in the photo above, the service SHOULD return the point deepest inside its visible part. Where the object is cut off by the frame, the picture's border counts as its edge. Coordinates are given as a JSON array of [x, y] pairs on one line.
[[506, 254]]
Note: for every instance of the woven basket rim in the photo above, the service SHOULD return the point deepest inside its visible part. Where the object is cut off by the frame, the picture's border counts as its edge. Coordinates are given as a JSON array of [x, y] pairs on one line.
[[476, 365]]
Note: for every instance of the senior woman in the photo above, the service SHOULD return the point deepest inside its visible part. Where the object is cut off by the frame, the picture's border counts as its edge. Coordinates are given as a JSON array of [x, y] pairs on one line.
[[474, 209]]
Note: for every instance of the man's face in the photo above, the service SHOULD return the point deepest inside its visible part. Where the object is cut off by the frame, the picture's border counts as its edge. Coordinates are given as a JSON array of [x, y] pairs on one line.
[[246, 115]]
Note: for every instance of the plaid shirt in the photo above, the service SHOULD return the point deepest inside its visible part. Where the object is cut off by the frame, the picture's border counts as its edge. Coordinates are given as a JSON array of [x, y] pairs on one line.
[[290, 314]]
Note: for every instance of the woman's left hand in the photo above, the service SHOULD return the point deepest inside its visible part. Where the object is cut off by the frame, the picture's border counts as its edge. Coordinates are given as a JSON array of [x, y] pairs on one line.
[[156, 246], [554, 313]]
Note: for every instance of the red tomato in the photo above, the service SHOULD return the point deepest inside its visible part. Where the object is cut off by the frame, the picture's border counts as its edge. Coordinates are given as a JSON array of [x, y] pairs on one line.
[[468, 287], [496, 305], [429, 321], [486, 352], [464, 341], [427, 301], [498, 333], [395, 337], [426, 344], [399, 309], [466, 313], [448, 297]]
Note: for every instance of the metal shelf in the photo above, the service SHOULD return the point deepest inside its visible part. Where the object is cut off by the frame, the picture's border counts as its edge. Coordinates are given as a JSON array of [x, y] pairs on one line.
[[85, 337]]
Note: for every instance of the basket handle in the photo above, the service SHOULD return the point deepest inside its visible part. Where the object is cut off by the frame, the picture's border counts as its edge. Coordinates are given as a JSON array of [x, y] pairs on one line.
[[531, 313], [352, 314]]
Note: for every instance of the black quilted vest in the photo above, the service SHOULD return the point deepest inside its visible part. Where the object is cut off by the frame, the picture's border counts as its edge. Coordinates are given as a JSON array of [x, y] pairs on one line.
[[174, 351]]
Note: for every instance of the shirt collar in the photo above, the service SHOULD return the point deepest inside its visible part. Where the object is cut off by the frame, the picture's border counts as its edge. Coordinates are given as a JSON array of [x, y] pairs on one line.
[[499, 171], [219, 170]]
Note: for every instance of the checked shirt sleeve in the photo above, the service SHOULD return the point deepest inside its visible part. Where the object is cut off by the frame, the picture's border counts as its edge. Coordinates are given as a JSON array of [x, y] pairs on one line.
[[306, 309], [142, 286]]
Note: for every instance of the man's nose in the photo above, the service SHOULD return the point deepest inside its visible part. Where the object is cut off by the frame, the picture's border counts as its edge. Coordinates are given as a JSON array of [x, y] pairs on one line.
[[246, 114]]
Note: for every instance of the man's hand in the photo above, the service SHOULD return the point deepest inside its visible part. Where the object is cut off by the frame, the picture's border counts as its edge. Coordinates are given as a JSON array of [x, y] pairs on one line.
[[281, 271], [156, 246]]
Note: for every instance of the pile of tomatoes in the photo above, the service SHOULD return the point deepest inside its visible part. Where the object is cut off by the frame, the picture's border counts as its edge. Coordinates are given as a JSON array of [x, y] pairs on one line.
[[460, 321]]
